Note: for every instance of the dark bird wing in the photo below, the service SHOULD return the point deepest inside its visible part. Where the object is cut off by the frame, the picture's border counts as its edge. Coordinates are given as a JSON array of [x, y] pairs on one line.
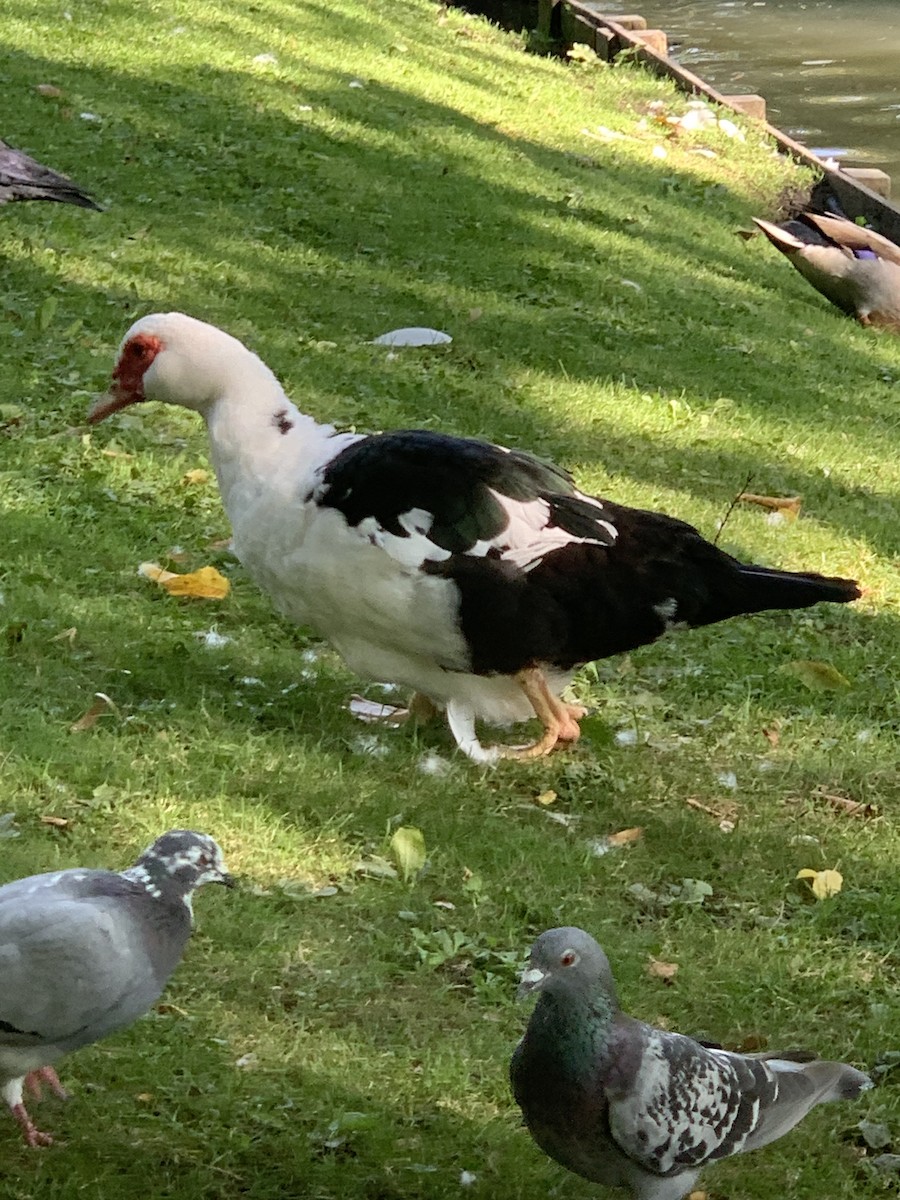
[[424, 497], [23, 178]]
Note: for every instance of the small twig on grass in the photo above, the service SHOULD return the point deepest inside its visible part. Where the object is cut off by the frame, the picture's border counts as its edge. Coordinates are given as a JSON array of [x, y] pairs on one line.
[[732, 506]]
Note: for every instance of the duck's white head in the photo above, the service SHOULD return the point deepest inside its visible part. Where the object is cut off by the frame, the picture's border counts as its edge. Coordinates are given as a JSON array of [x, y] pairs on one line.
[[176, 359]]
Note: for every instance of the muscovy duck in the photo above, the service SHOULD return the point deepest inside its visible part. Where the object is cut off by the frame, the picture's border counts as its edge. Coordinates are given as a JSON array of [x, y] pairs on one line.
[[23, 178], [478, 576], [854, 267]]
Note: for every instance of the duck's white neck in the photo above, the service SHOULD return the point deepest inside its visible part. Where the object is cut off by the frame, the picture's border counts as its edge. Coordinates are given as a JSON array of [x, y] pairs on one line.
[[259, 441]]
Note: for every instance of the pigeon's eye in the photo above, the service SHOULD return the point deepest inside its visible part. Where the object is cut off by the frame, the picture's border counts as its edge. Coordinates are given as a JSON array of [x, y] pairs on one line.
[[568, 958], [204, 860]]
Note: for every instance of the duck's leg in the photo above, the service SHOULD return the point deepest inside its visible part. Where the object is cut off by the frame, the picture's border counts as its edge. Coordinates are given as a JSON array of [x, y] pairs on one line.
[[560, 721]]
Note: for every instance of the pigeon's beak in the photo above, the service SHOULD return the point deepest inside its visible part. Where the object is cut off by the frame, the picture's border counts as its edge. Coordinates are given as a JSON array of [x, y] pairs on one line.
[[530, 979], [227, 880]]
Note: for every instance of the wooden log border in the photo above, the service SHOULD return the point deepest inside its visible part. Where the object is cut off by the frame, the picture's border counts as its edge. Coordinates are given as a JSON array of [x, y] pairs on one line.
[[583, 21]]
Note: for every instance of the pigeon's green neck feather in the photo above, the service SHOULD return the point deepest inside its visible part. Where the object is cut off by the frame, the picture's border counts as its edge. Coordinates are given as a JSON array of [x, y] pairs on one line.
[[579, 1026]]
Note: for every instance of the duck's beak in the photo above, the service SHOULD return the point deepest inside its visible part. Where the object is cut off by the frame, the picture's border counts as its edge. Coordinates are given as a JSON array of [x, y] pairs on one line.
[[110, 402]]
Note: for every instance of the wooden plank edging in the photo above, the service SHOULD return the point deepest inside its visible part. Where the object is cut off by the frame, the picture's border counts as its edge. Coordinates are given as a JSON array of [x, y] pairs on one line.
[[582, 20]]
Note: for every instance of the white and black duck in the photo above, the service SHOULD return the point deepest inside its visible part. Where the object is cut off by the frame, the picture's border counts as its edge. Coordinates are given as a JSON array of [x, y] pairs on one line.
[[478, 576]]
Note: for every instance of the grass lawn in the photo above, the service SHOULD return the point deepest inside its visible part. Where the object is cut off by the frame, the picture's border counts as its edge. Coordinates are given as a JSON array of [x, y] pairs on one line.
[[309, 175]]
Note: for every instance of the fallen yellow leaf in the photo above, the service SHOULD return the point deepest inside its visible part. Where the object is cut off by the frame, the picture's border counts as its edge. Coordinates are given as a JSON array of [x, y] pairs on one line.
[[205, 584], [823, 883], [665, 971], [626, 836], [819, 676], [547, 797], [58, 822], [198, 475]]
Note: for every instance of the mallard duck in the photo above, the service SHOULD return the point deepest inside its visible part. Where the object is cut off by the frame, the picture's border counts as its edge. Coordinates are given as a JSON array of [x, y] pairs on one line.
[[857, 269]]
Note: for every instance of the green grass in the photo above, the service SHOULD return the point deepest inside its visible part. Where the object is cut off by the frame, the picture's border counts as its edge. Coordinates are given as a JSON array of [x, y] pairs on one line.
[[454, 189]]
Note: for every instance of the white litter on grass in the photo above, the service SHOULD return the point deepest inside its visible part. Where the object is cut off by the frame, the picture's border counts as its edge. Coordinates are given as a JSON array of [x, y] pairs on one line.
[[356, 83], [467, 1178], [245, 1061], [89, 116], [266, 60], [433, 764], [660, 152], [601, 134], [775, 518], [370, 711], [626, 737], [413, 335], [630, 283], [727, 779], [212, 639], [368, 743], [310, 655]]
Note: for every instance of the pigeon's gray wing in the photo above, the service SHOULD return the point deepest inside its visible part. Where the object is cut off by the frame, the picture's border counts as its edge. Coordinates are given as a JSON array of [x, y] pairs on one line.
[[71, 970], [685, 1105], [23, 178]]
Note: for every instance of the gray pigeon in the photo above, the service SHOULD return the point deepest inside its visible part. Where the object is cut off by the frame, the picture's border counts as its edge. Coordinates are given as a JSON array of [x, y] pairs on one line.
[[630, 1106], [83, 953], [23, 178]]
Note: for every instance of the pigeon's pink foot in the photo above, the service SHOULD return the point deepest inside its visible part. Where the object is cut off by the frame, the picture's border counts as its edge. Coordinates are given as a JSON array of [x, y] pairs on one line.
[[34, 1080], [33, 1137]]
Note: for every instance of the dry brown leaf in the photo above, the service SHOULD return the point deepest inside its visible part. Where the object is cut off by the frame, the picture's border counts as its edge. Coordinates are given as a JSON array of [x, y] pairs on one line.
[[657, 969], [198, 475], [625, 837], [772, 734], [751, 1044], [788, 506], [167, 1009], [220, 544], [205, 584], [102, 704], [67, 635], [57, 822], [721, 812], [545, 798], [845, 805], [48, 89]]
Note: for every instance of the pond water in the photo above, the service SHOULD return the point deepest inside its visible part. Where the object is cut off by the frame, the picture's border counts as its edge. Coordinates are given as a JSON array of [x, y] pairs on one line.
[[829, 69]]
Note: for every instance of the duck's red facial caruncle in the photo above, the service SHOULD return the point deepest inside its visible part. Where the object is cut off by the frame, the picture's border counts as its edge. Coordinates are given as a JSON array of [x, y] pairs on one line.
[[127, 385]]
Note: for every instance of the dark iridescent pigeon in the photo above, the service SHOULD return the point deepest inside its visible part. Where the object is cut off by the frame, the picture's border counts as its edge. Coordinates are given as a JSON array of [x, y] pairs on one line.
[[84, 952], [630, 1106], [23, 178]]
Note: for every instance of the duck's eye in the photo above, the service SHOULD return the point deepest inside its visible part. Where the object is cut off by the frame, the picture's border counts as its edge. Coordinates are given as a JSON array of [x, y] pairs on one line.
[[568, 958]]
